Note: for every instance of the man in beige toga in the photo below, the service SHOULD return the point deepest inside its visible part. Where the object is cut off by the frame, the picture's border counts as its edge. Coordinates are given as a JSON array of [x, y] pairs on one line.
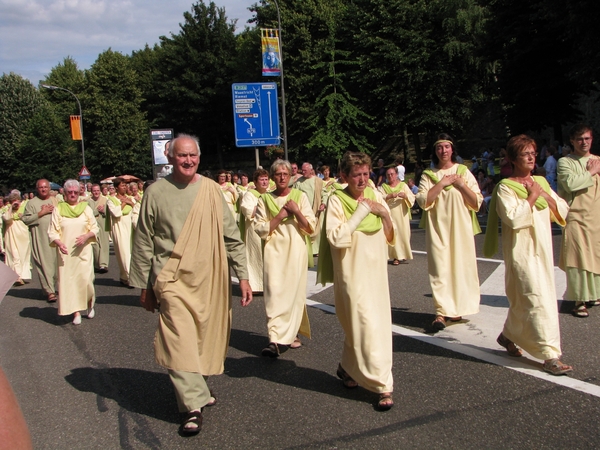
[[185, 236]]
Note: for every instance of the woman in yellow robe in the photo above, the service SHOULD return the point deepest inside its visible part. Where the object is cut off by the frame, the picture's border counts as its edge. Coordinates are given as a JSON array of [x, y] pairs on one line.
[[17, 241], [229, 191], [400, 200], [449, 197], [284, 218], [72, 230], [359, 230], [527, 205], [121, 208]]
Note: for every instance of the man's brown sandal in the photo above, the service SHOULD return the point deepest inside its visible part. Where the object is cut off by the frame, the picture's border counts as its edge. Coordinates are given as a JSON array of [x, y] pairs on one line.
[[346, 379], [509, 345]]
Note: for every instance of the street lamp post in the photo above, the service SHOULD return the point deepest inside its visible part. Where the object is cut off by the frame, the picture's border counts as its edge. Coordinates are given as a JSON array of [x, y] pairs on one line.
[[54, 88], [285, 137]]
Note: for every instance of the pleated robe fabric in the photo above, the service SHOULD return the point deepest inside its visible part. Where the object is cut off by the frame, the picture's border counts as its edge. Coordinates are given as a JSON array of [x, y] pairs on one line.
[[285, 270], [362, 299], [400, 213], [254, 253], [532, 321], [121, 232], [451, 247], [102, 246], [17, 245], [75, 269], [44, 256], [184, 237]]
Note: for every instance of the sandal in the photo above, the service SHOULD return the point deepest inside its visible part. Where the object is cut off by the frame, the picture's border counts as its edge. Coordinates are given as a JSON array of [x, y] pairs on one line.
[[592, 303], [396, 262], [347, 380], [296, 343], [580, 310], [455, 319], [509, 345], [273, 350], [556, 367], [385, 402], [439, 323], [192, 418], [52, 298]]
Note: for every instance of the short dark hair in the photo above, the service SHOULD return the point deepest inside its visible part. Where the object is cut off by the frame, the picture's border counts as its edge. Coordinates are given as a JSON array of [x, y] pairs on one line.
[[443, 137], [579, 129], [351, 159], [518, 143]]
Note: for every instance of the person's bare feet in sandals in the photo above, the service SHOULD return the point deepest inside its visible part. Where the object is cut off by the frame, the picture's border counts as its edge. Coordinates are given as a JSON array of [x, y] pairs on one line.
[[554, 366], [385, 402], [580, 310], [439, 323], [296, 344], [509, 345], [192, 424], [346, 379]]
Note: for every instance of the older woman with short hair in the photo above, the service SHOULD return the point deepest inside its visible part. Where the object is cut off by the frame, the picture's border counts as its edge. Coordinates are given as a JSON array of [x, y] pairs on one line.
[[284, 218], [17, 241], [72, 230]]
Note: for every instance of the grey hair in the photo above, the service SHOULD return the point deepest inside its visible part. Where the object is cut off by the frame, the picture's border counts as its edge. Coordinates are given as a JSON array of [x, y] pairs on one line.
[[310, 166], [183, 136], [277, 164], [71, 184]]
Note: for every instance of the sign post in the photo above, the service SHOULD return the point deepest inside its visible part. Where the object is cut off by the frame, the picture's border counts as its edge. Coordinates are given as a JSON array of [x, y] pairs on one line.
[[84, 174], [255, 114]]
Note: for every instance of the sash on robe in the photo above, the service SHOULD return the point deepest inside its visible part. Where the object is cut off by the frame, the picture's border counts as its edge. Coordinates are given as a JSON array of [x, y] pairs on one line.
[[490, 243], [71, 212], [461, 170], [369, 224], [392, 190], [20, 211], [115, 201]]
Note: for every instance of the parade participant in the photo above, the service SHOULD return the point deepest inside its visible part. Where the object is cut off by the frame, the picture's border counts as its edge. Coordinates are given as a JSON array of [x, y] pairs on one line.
[[284, 218], [72, 230], [312, 186], [101, 247], [135, 193], [399, 199], [121, 219], [449, 197], [185, 236], [526, 206], [579, 185], [248, 218], [358, 230], [37, 216], [17, 242], [228, 190]]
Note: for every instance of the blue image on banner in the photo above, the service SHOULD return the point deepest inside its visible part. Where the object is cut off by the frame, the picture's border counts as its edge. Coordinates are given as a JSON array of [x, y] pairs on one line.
[[255, 114]]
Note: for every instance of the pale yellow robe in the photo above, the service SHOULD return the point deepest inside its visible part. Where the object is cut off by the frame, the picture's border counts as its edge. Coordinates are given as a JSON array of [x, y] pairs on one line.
[[76, 269], [362, 298], [121, 232], [44, 257], [532, 321], [313, 188], [400, 213], [253, 241], [230, 198], [17, 245], [451, 247], [102, 246], [285, 270]]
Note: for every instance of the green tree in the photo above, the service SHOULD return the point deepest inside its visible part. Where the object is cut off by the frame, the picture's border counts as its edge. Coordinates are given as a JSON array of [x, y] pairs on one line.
[[19, 102], [116, 129]]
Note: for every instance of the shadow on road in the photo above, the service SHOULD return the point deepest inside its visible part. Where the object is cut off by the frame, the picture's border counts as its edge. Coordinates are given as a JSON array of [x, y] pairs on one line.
[[49, 314], [138, 391]]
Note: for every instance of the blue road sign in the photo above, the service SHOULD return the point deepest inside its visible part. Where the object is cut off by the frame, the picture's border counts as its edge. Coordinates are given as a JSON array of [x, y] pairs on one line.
[[255, 114]]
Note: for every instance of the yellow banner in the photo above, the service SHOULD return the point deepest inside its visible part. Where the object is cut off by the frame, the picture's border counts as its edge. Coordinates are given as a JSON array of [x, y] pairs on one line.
[[76, 128], [271, 56]]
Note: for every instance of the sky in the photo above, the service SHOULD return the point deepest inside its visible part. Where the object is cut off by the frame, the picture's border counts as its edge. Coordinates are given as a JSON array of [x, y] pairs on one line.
[[36, 35]]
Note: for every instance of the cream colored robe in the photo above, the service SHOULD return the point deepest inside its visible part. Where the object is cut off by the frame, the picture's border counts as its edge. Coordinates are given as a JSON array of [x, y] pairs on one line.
[[532, 321], [254, 253], [285, 270], [44, 256], [76, 269], [451, 247], [17, 245], [101, 247], [121, 232], [188, 271], [400, 213], [362, 298], [580, 249], [313, 188]]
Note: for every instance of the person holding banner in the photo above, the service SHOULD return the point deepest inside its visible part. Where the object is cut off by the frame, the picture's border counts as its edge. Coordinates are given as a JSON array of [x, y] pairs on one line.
[[527, 206], [449, 197], [284, 220]]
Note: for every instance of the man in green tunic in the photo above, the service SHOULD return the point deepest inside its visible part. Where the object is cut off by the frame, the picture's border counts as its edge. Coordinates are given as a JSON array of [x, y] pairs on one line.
[[579, 184], [185, 236], [37, 216]]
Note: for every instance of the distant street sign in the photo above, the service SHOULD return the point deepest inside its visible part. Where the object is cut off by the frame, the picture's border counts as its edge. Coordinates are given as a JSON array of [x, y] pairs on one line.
[[255, 114], [84, 174]]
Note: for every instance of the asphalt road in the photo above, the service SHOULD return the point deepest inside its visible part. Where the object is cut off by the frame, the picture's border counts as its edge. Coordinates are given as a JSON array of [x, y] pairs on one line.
[[96, 385]]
